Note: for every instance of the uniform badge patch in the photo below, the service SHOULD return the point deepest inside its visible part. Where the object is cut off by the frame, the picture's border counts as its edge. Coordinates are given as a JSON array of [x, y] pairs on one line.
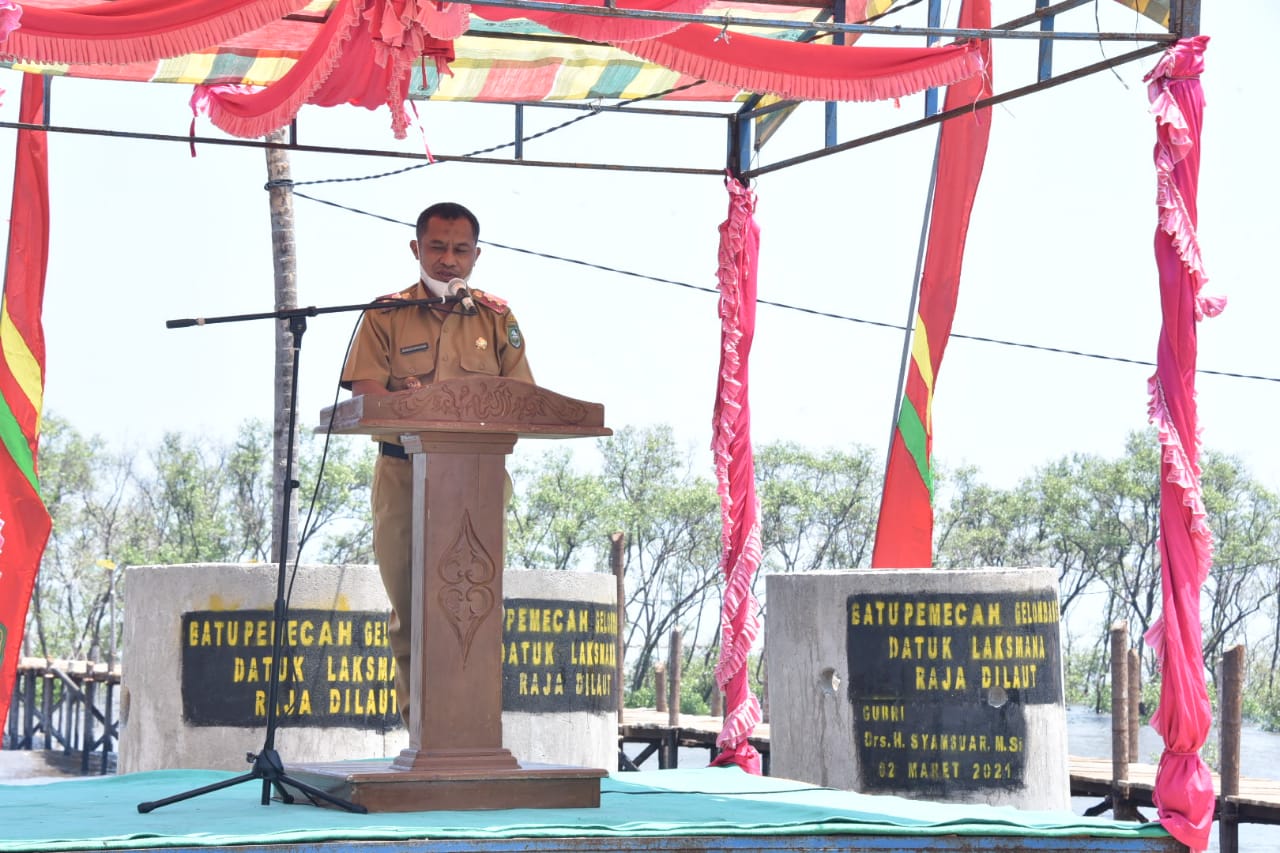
[[514, 337], [481, 343], [409, 350]]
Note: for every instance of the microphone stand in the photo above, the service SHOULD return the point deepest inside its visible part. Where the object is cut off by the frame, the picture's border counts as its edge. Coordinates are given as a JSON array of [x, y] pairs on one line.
[[267, 765]]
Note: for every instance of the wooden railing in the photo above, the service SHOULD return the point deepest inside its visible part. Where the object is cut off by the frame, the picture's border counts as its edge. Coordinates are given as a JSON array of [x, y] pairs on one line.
[[71, 706]]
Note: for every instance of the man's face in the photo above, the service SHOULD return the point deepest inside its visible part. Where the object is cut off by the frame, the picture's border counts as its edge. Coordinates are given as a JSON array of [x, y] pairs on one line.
[[446, 248]]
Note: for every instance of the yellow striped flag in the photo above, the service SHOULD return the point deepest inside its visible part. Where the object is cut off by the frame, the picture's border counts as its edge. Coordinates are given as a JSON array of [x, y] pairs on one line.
[[24, 521]]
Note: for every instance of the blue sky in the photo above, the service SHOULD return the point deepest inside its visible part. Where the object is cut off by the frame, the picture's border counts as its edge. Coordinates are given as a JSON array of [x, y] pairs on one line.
[[1059, 255]]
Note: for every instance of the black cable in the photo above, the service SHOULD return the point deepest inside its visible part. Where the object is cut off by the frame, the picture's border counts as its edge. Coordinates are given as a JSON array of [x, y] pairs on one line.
[[800, 308], [305, 532], [491, 149], [892, 10]]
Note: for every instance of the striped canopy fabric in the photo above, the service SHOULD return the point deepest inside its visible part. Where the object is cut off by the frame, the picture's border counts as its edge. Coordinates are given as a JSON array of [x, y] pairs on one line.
[[496, 60]]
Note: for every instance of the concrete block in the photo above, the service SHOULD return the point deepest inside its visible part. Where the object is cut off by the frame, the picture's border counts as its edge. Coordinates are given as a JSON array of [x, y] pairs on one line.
[[197, 658], [941, 685]]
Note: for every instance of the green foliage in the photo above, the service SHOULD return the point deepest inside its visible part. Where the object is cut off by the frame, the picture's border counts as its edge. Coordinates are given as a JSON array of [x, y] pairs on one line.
[[697, 681], [817, 508], [1094, 520], [188, 499], [339, 518], [1261, 698], [671, 523], [1081, 674], [555, 520], [640, 697]]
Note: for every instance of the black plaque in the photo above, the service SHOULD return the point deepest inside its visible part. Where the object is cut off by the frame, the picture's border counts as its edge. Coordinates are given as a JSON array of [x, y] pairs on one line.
[[337, 669], [939, 683], [558, 655]]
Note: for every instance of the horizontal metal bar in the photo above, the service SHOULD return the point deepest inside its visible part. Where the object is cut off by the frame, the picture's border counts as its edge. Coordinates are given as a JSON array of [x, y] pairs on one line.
[[1000, 98], [362, 152], [625, 108], [832, 27], [757, 112]]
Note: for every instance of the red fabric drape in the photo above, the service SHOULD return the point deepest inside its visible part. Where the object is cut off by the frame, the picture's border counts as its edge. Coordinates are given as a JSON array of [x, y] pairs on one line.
[[1184, 789], [904, 531], [24, 521], [136, 30], [241, 111], [736, 479], [820, 72], [363, 56]]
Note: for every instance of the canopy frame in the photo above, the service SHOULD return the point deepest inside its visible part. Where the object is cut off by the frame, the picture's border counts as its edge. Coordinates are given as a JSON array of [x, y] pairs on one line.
[[740, 129]]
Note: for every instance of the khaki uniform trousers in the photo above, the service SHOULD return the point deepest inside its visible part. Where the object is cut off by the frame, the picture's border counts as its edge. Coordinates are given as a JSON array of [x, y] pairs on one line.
[[392, 503]]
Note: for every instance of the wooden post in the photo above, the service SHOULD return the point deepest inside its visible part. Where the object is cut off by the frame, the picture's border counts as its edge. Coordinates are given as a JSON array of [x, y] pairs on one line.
[[660, 687], [284, 259], [617, 548], [1135, 703], [87, 690], [1229, 748], [458, 433], [47, 685], [673, 667], [717, 701], [1119, 717]]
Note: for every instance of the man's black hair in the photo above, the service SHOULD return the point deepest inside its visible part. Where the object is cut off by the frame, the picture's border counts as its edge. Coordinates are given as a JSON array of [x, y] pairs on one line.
[[448, 210]]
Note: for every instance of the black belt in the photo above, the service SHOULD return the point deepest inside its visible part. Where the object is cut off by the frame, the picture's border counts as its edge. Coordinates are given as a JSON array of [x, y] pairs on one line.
[[388, 449]]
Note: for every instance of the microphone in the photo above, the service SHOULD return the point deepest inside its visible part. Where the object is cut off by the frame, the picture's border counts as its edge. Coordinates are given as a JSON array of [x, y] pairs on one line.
[[458, 290]]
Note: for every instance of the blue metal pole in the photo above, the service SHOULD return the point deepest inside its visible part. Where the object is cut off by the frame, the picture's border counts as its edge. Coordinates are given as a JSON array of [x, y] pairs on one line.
[[831, 129], [935, 20], [519, 148], [1046, 45]]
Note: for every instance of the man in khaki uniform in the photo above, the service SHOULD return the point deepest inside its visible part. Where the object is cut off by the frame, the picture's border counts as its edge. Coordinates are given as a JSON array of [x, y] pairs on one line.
[[411, 346]]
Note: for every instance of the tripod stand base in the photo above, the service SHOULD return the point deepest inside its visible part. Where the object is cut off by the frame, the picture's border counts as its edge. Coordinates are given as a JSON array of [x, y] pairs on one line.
[[380, 786]]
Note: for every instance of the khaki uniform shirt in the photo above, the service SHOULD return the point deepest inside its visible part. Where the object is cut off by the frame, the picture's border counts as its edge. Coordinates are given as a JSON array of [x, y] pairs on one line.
[[429, 344]]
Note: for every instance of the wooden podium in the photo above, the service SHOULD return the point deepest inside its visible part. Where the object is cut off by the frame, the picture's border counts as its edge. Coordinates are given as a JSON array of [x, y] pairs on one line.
[[458, 433]]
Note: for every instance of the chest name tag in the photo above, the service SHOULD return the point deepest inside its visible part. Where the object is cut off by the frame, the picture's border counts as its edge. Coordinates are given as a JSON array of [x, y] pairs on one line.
[[415, 348]]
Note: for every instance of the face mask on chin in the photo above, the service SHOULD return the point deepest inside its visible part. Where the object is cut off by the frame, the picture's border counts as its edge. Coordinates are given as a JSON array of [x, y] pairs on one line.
[[435, 286]]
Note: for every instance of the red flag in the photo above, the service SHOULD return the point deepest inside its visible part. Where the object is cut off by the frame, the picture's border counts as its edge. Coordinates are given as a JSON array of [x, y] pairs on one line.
[[24, 521], [904, 532]]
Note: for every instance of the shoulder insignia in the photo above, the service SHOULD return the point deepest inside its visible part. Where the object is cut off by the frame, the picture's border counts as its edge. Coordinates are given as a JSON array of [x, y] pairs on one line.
[[493, 303], [407, 293]]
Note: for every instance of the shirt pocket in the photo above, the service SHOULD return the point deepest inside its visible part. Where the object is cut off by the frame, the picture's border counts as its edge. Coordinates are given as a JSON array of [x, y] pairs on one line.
[[481, 358], [411, 360]]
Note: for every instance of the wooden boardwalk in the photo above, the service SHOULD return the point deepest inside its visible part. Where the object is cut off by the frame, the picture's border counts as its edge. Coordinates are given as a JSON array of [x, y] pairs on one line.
[[1257, 802], [663, 741]]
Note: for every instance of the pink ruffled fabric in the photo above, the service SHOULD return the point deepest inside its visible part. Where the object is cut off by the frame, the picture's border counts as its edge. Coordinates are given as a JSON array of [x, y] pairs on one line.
[[10, 18], [364, 56], [124, 31], [818, 72], [1184, 788], [735, 480], [252, 113]]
